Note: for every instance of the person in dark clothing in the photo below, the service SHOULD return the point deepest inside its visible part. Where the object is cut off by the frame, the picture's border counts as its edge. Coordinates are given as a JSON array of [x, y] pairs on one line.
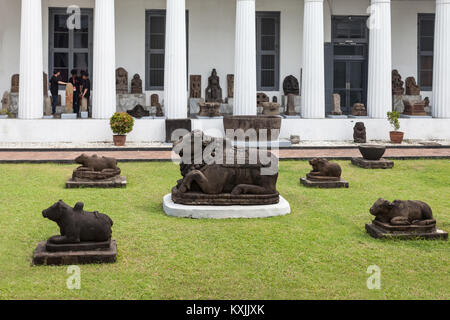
[[55, 81], [86, 87], [76, 82]]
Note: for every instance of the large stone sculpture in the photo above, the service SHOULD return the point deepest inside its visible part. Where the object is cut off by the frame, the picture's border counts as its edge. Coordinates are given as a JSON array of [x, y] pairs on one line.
[[261, 97], [372, 157], [85, 237], [69, 98], [6, 101], [359, 110], [325, 174], [96, 172], [397, 84], [403, 220], [337, 111], [231, 180], [359, 133], [209, 109], [121, 81], [414, 108], [230, 83], [196, 86], [136, 84], [291, 86], [290, 107], [159, 113], [412, 89], [213, 91], [15, 83], [139, 112], [271, 108]]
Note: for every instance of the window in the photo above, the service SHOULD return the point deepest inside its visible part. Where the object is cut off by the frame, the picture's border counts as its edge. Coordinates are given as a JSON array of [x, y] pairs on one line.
[[69, 49], [155, 44], [425, 52], [268, 50]]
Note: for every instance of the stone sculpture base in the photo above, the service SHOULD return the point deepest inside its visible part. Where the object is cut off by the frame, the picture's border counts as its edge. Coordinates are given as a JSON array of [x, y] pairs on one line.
[[335, 116], [407, 116], [74, 254], [225, 212], [369, 164], [116, 182], [380, 230], [68, 115], [324, 184], [226, 199], [357, 117]]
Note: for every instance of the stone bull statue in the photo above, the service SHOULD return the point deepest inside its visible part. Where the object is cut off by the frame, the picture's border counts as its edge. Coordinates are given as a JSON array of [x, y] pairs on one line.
[[403, 213]]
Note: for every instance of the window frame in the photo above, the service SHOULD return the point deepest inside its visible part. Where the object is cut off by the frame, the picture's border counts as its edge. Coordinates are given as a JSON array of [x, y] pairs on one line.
[[148, 51], [71, 50], [421, 53], [259, 52]]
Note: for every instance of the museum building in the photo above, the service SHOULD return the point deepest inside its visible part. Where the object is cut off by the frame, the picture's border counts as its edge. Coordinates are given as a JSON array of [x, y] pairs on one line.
[[177, 53]]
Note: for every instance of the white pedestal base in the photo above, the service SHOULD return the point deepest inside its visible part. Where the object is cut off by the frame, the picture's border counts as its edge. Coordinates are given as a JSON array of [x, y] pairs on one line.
[[225, 212]]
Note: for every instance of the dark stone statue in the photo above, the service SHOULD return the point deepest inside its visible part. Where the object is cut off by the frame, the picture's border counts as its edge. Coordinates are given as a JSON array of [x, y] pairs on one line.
[[139, 112], [209, 109], [397, 84], [291, 86], [214, 91], [230, 83], [412, 89], [261, 97], [196, 86], [323, 170], [136, 84], [121, 81], [77, 225], [15, 83], [95, 168], [223, 183], [359, 110], [359, 133]]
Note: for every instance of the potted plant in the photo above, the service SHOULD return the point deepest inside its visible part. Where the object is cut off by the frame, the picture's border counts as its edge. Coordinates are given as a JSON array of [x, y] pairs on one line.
[[396, 135], [121, 124]]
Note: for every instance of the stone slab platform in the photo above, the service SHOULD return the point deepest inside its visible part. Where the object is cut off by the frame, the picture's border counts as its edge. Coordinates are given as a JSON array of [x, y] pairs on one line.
[[225, 212], [369, 164], [118, 182], [84, 246], [42, 257], [324, 184], [378, 232]]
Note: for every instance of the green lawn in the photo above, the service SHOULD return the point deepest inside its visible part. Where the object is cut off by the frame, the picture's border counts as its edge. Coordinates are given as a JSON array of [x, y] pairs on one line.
[[320, 251]]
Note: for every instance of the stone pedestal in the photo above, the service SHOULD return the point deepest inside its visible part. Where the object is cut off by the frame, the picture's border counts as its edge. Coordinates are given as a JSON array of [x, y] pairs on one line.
[[14, 107], [380, 230], [297, 103], [75, 254], [324, 184], [373, 164], [225, 212], [116, 182], [193, 105], [68, 116], [126, 102]]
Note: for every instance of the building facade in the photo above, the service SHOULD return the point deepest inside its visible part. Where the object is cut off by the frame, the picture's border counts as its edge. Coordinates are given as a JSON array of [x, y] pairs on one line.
[[349, 47]]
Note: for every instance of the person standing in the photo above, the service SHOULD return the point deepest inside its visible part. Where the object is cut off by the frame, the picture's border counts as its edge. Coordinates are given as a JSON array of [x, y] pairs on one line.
[[75, 81], [55, 81], [86, 88]]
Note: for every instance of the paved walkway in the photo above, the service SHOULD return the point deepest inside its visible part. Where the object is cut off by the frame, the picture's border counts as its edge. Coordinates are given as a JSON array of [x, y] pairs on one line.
[[285, 154]]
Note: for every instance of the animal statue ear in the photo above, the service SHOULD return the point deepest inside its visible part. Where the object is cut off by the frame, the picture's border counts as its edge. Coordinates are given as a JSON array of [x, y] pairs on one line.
[[79, 206]]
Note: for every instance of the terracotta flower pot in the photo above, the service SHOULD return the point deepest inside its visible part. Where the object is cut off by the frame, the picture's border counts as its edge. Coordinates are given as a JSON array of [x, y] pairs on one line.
[[119, 141], [397, 136]]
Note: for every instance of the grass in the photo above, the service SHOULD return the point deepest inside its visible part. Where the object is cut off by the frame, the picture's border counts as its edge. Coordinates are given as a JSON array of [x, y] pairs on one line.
[[321, 251]]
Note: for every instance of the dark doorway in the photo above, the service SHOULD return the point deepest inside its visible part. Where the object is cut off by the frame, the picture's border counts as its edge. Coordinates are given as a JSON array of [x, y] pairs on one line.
[[350, 38]]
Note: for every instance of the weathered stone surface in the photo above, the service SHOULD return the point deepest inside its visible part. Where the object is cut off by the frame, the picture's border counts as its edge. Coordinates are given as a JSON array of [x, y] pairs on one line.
[[383, 231], [257, 123], [414, 108], [397, 102], [324, 184], [173, 125], [324, 170], [225, 212], [139, 112], [230, 84], [397, 84], [337, 111], [240, 182], [359, 133], [15, 83], [372, 152], [195, 86], [359, 110], [126, 102], [82, 246], [69, 98], [290, 107], [213, 91], [194, 105], [121, 81], [43, 257], [115, 182], [285, 103], [136, 84], [373, 164], [271, 109], [291, 86], [14, 106], [209, 109], [47, 106], [261, 97], [6, 101], [412, 89]]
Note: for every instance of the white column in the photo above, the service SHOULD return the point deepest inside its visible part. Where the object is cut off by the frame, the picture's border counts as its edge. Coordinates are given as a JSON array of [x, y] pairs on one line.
[[175, 77], [379, 93], [245, 60], [104, 77], [313, 80], [31, 97], [441, 73]]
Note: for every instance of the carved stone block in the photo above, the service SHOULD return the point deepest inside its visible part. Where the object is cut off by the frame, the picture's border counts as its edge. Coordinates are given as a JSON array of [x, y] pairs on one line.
[[195, 86]]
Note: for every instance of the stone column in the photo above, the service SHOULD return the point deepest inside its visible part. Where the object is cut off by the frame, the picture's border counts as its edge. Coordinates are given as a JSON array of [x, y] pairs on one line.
[[245, 59], [313, 84], [379, 93], [31, 97], [441, 72], [104, 77], [175, 77]]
